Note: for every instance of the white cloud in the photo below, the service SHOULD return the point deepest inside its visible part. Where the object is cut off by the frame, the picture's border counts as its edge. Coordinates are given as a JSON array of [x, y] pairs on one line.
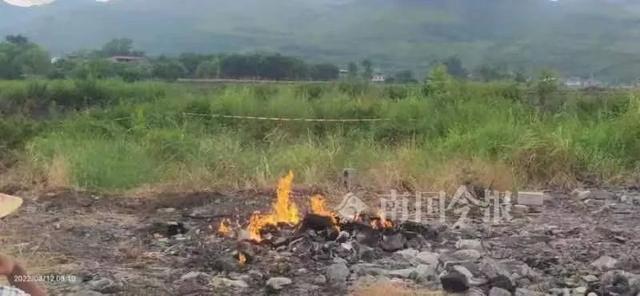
[[28, 3]]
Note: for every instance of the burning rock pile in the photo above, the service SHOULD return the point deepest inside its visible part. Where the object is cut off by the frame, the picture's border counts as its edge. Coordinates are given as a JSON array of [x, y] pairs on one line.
[[366, 248]]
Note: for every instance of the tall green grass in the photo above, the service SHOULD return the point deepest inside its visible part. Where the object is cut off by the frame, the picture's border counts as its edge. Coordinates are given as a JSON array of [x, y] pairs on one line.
[[153, 134]]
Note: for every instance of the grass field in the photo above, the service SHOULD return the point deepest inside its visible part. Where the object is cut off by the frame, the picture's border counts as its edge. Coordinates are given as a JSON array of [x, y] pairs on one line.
[[114, 136]]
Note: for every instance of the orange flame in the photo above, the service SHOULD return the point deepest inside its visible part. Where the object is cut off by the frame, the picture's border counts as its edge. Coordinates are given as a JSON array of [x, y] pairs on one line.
[[381, 221], [318, 207], [284, 210], [242, 259], [224, 229]]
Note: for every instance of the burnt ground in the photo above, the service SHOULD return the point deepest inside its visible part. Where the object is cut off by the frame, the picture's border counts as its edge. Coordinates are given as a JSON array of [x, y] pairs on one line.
[[167, 245]]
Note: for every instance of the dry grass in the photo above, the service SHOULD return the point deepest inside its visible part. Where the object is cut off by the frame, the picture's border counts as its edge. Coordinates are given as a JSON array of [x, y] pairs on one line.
[[388, 288]]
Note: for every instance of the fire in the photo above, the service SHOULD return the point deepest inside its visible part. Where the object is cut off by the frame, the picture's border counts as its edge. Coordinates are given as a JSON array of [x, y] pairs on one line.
[[318, 207], [283, 211], [242, 259], [224, 229], [381, 221]]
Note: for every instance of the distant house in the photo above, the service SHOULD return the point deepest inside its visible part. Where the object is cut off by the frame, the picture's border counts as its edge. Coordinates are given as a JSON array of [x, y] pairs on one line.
[[126, 59], [344, 73], [378, 78], [574, 82]]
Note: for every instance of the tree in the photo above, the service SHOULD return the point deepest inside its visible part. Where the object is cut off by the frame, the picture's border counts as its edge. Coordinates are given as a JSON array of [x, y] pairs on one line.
[[208, 69], [324, 72], [119, 46], [168, 69], [404, 77], [367, 66], [438, 81], [546, 85], [455, 68], [19, 57], [353, 70], [488, 72], [18, 40]]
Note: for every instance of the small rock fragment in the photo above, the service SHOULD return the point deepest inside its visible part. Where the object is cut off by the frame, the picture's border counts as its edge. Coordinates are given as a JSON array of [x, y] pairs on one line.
[[495, 291], [337, 273], [454, 282], [469, 244], [605, 263], [278, 283]]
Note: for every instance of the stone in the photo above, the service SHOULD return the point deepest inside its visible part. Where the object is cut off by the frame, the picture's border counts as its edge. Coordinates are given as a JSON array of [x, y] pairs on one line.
[[454, 282], [495, 291], [219, 281], [278, 283], [619, 282], [590, 278], [393, 242], [402, 273], [581, 194], [425, 273], [580, 291], [337, 273], [531, 198], [193, 275], [605, 263], [527, 292], [320, 280], [472, 244], [471, 279], [592, 294], [104, 285], [406, 254], [475, 291], [467, 255], [519, 210], [428, 258]]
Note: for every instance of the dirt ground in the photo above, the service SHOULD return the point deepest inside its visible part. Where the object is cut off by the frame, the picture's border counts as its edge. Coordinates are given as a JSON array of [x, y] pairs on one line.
[[128, 245]]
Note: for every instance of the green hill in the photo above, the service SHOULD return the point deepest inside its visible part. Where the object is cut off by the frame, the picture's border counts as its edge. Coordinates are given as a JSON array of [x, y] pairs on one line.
[[576, 37]]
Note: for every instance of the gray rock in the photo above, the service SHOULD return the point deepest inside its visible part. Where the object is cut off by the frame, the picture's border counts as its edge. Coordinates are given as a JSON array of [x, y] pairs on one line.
[[580, 291], [454, 282], [402, 273], [592, 294], [473, 244], [105, 285], [605, 263], [475, 291], [278, 283], [526, 292], [471, 279], [428, 258], [393, 242], [519, 211], [406, 254], [590, 278], [225, 282], [495, 291], [425, 273], [467, 255], [194, 275], [86, 293], [320, 280], [337, 273], [619, 282]]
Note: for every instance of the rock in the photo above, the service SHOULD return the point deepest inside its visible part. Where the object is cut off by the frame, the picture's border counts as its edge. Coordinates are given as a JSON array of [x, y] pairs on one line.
[[619, 282], [580, 291], [278, 283], [590, 278], [320, 280], [104, 285], [467, 255], [473, 244], [425, 273], [519, 210], [592, 294], [471, 279], [503, 282], [219, 281], [402, 273], [605, 263], [454, 282], [495, 291], [531, 198], [406, 254], [87, 293], [337, 273], [581, 194], [475, 292], [428, 258], [526, 292], [393, 242], [193, 275]]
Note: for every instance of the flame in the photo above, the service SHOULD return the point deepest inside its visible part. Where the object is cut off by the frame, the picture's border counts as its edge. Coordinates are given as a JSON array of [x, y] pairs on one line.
[[318, 207], [283, 211], [381, 221], [242, 259], [224, 229]]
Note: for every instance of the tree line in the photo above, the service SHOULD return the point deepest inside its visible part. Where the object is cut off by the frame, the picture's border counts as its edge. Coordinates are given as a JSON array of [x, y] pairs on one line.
[[21, 58]]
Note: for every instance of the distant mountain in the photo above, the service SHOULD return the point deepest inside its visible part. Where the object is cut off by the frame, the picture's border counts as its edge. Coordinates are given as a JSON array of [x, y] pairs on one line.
[[577, 37]]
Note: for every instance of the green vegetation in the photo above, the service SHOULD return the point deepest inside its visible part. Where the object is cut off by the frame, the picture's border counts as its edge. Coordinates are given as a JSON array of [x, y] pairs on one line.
[[111, 135]]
